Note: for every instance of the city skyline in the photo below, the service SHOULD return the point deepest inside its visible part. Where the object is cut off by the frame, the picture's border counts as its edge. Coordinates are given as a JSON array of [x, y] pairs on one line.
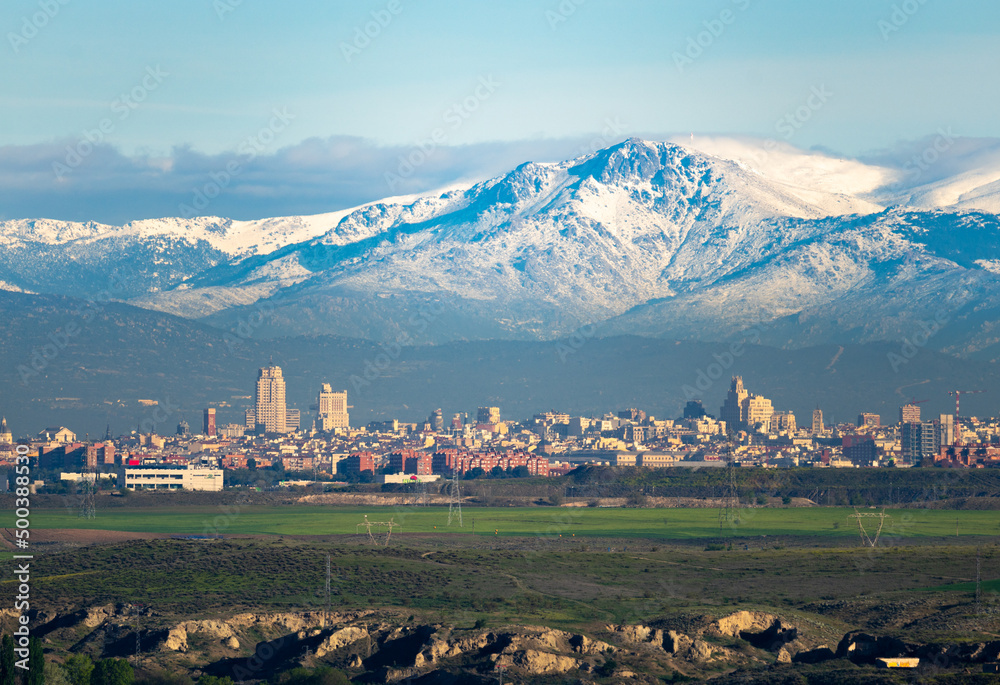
[[286, 287]]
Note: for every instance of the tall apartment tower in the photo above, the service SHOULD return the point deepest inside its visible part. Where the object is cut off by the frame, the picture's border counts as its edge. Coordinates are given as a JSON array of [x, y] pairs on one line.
[[436, 419], [869, 420], [818, 427], [331, 409], [909, 413], [269, 408], [918, 440], [946, 430], [757, 411], [209, 427], [732, 411], [488, 415]]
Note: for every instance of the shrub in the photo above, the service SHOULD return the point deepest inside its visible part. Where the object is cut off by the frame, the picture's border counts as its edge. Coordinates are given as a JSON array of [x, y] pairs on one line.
[[112, 672]]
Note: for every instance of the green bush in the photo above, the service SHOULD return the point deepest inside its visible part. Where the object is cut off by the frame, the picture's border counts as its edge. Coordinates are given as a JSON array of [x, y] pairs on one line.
[[324, 675], [112, 672], [215, 680], [78, 668]]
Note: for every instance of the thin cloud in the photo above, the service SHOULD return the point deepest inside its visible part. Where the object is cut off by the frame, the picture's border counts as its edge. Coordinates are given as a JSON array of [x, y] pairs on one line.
[[939, 155], [67, 180]]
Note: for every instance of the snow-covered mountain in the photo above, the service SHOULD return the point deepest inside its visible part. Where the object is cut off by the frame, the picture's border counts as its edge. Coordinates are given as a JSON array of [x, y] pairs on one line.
[[92, 259], [698, 240]]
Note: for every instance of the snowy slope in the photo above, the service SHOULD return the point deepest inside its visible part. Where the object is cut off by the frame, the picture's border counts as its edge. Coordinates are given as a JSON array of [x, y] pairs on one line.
[[145, 257], [816, 177], [702, 239], [594, 235], [650, 237]]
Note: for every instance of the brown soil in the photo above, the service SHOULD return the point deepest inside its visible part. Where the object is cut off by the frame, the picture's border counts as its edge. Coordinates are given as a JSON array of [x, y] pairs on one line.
[[80, 537]]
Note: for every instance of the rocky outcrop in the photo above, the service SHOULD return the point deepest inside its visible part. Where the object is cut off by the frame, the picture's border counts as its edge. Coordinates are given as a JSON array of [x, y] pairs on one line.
[[760, 629], [636, 635], [95, 616], [861, 647], [396, 650], [967, 652], [676, 643], [640, 635], [177, 639], [699, 651], [582, 644], [535, 662], [303, 625], [814, 656], [341, 638]]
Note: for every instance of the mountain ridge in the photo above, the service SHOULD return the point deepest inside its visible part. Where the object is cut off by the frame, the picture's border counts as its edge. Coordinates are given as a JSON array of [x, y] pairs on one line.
[[653, 238]]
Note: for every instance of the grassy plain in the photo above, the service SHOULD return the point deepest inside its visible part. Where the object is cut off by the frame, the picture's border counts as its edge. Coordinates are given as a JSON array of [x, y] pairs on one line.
[[572, 583], [576, 568], [558, 565], [830, 523]]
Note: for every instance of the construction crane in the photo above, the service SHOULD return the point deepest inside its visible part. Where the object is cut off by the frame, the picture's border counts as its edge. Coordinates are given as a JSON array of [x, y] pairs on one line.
[[958, 396]]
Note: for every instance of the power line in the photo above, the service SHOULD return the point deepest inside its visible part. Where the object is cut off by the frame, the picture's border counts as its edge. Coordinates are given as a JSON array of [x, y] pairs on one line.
[[867, 540], [327, 612], [979, 595], [729, 509], [381, 528], [454, 500], [88, 505]]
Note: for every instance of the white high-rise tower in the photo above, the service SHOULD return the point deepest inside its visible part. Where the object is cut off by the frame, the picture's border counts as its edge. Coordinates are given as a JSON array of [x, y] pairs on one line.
[[331, 409], [269, 412]]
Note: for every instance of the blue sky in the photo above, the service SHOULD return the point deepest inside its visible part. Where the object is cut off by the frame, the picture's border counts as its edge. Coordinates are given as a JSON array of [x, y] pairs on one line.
[[558, 75]]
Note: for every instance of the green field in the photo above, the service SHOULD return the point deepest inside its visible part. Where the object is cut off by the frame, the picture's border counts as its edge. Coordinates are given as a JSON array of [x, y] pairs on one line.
[[574, 568], [666, 524]]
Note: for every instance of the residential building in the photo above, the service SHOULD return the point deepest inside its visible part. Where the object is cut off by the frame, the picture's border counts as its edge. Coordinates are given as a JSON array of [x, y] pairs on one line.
[[918, 440], [868, 420], [633, 414], [331, 409], [909, 413], [436, 419], [209, 423], [757, 412], [270, 413], [783, 421], [946, 430], [233, 430], [357, 463], [694, 410], [817, 425], [578, 425], [488, 415], [860, 450]]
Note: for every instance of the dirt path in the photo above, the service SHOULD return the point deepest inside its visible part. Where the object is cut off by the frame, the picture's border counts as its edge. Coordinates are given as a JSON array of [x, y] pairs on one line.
[[82, 536]]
